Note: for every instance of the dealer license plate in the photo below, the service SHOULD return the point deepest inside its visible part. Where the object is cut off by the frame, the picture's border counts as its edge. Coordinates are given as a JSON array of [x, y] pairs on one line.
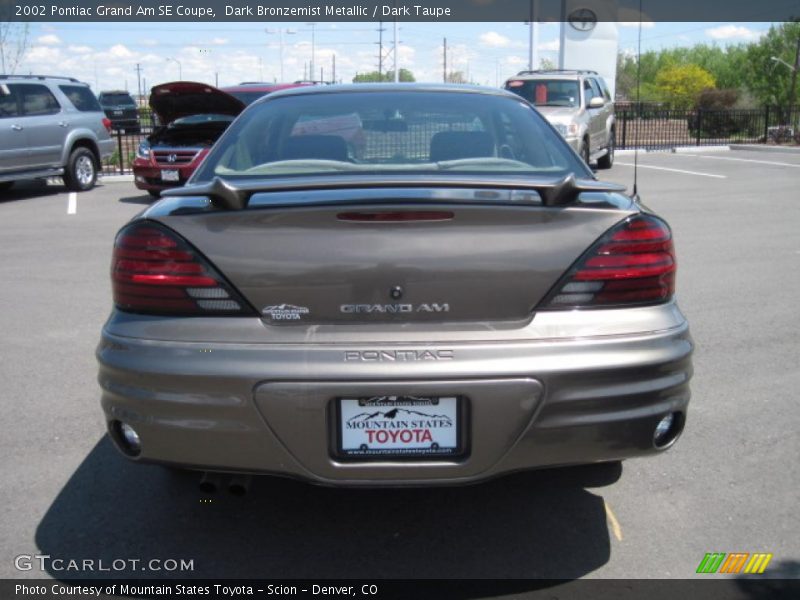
[[170, 175], [385, 426]]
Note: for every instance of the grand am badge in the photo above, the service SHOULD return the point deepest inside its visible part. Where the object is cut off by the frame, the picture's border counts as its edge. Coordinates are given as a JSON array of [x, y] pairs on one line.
[[285, 312]]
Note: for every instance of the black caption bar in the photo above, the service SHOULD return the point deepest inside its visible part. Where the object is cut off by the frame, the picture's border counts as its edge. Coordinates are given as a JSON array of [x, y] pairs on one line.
[[734, 588], [401, 10]]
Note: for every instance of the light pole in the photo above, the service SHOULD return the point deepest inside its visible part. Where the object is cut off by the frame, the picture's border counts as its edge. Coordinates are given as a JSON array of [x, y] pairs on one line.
[[280, 33], [180, 67], [793, 84]]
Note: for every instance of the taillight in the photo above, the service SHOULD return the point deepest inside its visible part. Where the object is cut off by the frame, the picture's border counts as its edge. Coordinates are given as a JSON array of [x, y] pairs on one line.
[[633, 264], [154, 271], [107, 124]]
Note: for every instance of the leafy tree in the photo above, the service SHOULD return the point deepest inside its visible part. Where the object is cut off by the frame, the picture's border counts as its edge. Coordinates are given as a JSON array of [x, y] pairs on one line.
[[768, 80], [681, 85], [375, 77]]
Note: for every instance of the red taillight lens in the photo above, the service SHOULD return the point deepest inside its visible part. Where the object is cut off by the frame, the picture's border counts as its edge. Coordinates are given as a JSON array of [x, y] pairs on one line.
[[154, 271], [633, 264], [107, 124]]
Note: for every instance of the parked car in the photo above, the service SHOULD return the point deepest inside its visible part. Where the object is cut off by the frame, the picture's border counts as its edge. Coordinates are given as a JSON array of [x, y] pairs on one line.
[[121, 108], [191, 117], [249, 92], [50, 127], [462, 300], [578, 104]]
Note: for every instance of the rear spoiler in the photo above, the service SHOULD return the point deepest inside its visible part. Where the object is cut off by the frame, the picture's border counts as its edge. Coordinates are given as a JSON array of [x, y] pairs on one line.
[[226, 195]]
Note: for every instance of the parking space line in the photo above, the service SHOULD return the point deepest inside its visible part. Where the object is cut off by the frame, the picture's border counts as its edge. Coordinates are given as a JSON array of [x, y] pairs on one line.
[[750, 160], [641, 166], [72, 203], [615, 527]]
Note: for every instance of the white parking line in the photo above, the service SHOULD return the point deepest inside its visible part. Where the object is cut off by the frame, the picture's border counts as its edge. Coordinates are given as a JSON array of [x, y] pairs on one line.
[[72, 204], [750, 160], [641, 166]]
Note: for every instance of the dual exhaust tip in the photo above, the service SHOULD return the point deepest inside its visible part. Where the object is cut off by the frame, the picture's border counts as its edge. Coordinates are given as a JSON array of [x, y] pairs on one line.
[[238, 485]]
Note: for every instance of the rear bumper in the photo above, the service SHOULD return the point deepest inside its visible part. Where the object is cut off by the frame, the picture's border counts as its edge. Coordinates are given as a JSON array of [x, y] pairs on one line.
[[267, 408]]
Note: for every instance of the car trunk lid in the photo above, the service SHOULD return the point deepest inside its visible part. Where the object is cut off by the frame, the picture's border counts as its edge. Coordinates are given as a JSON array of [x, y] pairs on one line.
[[383, 259]]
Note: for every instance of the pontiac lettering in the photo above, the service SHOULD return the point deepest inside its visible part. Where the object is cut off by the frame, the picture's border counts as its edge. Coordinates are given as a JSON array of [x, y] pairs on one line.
[[397, 355]]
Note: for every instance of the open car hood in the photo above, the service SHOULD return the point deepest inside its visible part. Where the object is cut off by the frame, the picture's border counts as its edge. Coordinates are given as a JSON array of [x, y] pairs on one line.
[[178, 99]]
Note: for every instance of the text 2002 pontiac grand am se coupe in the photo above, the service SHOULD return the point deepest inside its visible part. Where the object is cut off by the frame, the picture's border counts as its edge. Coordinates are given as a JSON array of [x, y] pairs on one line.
[[393, 284]]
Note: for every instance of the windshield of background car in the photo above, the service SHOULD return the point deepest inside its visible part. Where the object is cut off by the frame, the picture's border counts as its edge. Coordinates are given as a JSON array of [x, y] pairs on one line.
[[117, 100], [389, 132], [547, 92], [204, 119], [248, 97]]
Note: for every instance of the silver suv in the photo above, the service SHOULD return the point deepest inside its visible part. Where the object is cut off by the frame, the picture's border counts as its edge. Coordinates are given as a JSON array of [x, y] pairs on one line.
[[578, 104], [51, 126]]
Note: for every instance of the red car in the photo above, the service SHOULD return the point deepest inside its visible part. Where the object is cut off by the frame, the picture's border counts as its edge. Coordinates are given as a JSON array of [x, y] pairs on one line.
[[191, 117]]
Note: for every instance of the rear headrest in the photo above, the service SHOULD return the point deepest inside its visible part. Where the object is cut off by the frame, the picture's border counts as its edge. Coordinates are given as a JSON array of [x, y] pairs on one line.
[[452, 145], [323, 147]]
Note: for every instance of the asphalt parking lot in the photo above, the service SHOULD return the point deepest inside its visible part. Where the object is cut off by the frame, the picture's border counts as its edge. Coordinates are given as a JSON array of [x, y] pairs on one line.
[[730, 484]]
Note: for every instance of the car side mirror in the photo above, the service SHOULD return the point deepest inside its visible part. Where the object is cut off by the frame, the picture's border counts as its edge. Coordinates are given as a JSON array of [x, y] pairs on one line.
[[597, 102]]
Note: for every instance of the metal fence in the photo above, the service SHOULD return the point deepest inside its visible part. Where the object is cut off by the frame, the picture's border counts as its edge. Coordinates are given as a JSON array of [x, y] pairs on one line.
[[652, 127]]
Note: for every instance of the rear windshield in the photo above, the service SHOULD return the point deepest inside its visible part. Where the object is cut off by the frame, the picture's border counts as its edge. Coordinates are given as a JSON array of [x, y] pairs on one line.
[[81, 97], [547, 92], [389, 132], [117, 100]]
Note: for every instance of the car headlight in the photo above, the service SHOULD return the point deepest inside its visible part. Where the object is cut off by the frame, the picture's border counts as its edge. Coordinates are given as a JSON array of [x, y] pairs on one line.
[[570, 130], [143, 151]]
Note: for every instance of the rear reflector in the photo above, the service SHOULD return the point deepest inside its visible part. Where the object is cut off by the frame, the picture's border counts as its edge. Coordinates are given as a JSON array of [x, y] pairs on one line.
[[154, 271], [631, 265]]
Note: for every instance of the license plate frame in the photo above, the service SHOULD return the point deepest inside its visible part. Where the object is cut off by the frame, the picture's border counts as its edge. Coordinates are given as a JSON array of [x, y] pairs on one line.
[[172, 175], [454, 407]]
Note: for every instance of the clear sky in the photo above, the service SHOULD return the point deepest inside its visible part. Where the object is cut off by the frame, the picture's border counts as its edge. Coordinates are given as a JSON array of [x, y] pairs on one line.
[[105, 54]]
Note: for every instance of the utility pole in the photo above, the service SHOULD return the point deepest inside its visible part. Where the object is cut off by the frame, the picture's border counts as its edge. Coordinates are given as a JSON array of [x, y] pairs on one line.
[[313, 44], [394, 54], [380, 50], [139, 79], [444, 71]]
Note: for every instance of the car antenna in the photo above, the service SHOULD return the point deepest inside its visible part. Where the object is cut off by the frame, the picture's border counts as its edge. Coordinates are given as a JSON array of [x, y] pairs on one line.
[[638, 105]]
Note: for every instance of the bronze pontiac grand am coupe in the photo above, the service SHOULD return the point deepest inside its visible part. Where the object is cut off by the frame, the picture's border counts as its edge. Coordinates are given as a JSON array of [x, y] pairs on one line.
[[393, 285]]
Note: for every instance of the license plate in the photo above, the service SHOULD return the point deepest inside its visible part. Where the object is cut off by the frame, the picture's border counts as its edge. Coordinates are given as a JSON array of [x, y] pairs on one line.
[[170, 175], [410, 426], [117, 112]]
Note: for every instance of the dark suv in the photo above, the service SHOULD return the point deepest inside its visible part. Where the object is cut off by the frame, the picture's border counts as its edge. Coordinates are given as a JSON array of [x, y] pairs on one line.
[[121, 109], [51, 127]]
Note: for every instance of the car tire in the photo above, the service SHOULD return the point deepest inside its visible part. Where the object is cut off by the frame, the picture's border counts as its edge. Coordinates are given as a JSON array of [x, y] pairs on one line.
[[81, 172], [154, 193], [607, 161], [5, 185], [585, 152]]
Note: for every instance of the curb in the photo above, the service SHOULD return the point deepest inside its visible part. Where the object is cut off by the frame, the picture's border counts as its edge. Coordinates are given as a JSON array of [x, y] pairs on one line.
[[674, 150], [764, 148]]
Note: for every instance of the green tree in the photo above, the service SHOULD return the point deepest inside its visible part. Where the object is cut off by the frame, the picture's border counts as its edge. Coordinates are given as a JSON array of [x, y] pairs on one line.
[[375, 77], [769, 80], [681, 85]]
